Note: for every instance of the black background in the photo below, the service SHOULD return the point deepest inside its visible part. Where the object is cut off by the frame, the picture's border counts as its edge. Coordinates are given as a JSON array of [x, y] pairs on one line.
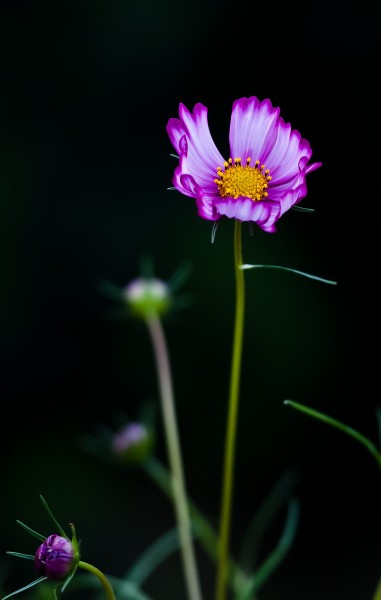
[[86, 91]]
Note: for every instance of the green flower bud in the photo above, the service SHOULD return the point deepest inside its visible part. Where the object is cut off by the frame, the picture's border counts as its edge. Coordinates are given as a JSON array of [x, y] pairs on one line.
[[147, 297], [132, 444]]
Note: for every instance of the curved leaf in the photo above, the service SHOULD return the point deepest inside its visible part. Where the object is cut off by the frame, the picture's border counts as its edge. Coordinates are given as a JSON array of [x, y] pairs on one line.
[[40, 537], [295, 271], [339, 425], [26, 587], [50, 514], [275, 558]]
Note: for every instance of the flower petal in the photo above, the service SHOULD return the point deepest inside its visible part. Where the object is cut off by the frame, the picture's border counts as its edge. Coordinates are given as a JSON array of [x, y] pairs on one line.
[[199, 156], [252, 128], [264, 213]]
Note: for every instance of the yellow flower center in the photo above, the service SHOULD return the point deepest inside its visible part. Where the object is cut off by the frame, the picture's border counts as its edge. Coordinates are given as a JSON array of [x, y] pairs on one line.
[[243, 180]]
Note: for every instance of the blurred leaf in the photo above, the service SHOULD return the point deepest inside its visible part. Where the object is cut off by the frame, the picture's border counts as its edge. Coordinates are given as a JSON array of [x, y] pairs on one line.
[[123, 589], [110, 289], [279, 494], [276, 557], [153, 556], [179, 277], [378, 417], [146, 267]]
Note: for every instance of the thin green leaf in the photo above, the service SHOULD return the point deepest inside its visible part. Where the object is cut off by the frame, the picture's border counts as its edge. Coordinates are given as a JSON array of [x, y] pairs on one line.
[[276, 267], [276, 557], [302, 209], [179, 277], [378, 417], [68, 580], [174, 156], [21, 555], [26, 587], [110, 289], [271, 506], [146, 266], [153, 556], [339, 425], [201, 526], [171, 189], [40, 537], [50, 514]]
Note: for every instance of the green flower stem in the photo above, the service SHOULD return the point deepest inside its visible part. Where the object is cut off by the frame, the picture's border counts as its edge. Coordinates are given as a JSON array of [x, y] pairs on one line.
[[102, 578], [377, 595], [205, 532], [173, 447], [228, 473]]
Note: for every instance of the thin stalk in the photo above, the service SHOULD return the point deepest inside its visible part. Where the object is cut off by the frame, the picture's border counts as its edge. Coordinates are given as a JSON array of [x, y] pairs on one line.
[[174, 454], [230, 440], [102, 578], [202, 527], [377, 594]]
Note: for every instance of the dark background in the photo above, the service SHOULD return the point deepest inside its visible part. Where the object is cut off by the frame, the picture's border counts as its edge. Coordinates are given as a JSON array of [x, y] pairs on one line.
[[86, 91]]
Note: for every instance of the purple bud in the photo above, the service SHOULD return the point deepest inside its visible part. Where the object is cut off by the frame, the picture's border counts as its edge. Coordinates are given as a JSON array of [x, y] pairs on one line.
[[133, 443], [55, 557]]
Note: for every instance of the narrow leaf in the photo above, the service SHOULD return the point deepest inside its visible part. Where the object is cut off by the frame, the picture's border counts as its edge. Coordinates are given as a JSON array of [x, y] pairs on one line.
[[302, 209], [276, 267], [68, 580], [378, 417], [174, 156], [45, 505], [214, 231], [179, 277], [153, 556], [276, 557], [26, 587], [339, 425], [267, 512], [21, 555], [171, 189], [40, 537], [111, 290]]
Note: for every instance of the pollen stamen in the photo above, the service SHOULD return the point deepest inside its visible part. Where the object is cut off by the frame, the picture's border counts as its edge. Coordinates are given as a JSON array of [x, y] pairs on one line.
[[243, 180]]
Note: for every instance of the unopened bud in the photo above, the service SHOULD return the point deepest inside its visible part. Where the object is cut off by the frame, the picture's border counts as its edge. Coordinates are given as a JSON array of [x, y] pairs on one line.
[[147, 297]]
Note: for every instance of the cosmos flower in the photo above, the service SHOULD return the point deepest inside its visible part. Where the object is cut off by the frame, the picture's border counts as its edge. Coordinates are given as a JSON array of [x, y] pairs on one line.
[[55, 557], [265, 174]]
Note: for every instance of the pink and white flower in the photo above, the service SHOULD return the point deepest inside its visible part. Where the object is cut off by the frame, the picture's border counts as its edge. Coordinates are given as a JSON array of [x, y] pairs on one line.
[[265, 175]]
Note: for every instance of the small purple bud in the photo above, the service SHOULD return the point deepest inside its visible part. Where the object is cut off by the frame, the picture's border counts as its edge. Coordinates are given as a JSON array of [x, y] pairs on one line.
[[55, 557], [133, 443]]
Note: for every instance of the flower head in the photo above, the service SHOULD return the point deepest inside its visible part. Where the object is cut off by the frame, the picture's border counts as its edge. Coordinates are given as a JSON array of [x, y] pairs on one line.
[[265, 174], [55, 557], [133, 443], [147, 296]]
